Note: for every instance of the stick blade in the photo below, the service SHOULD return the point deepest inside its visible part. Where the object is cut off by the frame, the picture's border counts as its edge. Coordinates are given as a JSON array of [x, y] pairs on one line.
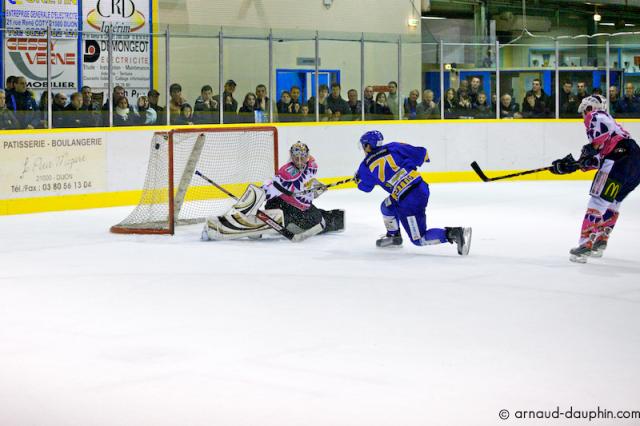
[[476, 168]]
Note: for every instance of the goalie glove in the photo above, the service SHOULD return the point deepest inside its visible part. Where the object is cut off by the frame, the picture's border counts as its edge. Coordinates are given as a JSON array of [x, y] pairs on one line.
[[316, 187], [564, 165]]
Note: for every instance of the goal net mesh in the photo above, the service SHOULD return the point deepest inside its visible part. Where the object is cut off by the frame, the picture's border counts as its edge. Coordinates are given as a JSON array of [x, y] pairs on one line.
[[233, 158]]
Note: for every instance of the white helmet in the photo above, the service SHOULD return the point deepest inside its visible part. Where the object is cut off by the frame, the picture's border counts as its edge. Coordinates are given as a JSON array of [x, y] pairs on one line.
[[596, 102]]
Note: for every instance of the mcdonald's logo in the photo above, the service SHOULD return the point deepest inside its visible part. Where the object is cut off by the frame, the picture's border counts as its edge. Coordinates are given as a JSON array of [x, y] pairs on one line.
[[611, 190]]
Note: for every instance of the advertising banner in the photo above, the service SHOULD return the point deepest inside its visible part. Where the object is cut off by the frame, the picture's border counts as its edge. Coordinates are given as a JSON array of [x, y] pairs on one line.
[[52, 164], [25, 43], [130, 23]]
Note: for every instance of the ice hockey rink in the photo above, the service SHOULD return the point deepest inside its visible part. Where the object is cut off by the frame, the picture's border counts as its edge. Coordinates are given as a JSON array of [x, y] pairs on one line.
[[104, 329]]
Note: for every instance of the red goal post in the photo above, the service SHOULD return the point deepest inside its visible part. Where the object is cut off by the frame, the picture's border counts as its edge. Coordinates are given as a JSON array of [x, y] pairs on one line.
[[172, 195]]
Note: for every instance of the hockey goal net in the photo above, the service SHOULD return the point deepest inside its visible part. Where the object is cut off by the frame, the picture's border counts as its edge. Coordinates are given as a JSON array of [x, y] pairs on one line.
[[173, 195]]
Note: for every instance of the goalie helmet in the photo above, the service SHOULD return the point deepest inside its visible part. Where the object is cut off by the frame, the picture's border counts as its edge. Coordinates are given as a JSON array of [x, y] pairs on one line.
[[593, 103], [299, 153]]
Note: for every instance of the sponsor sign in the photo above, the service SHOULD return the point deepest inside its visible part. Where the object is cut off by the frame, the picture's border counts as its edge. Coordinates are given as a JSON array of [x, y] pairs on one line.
[[25, 42], [55, 164], [129, 22]]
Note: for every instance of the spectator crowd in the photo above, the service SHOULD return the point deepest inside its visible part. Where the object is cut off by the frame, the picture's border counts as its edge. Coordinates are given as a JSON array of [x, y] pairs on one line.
[[20, 110]]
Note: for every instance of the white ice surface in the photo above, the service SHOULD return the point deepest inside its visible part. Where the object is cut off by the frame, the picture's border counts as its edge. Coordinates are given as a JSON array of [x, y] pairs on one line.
[[103, 329]]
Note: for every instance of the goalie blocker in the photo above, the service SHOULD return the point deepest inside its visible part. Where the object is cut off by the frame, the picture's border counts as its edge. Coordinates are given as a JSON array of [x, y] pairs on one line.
[[241, 221]]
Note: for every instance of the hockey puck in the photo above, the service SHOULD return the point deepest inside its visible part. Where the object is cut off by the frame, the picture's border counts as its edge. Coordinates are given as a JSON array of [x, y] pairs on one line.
[[157, 145]]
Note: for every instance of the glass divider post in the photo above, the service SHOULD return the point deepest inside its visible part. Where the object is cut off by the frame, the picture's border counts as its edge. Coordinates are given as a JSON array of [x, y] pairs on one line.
[[316, 80], [497, 58], [442, 96], [362, 83], [167, 74], [608, 75], [49, 102], [220, 77], [557, 84], [399, 92]]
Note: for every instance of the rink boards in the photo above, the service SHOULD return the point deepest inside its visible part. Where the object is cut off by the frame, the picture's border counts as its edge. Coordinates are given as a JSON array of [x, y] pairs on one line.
[[89, 168]]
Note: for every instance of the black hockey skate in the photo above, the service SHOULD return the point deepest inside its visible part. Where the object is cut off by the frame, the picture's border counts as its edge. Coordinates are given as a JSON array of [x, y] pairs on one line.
[[462, 238], [394, 241], [580, 253]]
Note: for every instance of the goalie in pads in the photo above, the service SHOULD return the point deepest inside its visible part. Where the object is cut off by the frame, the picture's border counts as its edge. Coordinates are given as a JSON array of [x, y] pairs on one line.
[[289, 201]]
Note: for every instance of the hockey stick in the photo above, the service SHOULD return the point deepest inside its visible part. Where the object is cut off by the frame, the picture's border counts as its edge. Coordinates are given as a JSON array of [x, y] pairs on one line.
[[259, 214], [476, 168], [340, 182]]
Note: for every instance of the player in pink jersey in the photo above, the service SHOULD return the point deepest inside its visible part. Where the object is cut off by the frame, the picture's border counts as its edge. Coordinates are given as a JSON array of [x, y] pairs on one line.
[[616, 156], [289, 199]]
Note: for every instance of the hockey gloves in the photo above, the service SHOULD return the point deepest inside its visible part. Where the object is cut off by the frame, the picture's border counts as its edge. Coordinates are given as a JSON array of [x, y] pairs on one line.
[[588, 159], [564, 165]]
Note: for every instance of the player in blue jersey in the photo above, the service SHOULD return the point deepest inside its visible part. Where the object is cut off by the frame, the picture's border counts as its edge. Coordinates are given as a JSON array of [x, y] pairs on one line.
[[393, 167]]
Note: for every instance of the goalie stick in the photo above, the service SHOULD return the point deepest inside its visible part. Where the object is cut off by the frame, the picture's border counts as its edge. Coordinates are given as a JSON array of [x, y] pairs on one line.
[[340, 182], [262, 216], [476, 168]]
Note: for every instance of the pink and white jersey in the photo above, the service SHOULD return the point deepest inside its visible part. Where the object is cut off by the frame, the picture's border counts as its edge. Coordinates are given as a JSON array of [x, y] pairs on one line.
[[603, 132], [290, 180]]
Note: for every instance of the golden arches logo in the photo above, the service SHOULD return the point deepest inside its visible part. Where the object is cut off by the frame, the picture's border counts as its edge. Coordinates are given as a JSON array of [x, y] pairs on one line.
[[612, 189]]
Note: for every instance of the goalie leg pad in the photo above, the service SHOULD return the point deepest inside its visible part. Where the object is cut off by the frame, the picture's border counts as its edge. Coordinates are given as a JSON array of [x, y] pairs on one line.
[[236, 225]]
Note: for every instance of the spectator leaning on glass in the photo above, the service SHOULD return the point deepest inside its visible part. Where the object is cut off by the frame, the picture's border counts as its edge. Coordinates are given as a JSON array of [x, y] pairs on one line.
[[23, 105], [392, 98], [532, 107], [74, 115], [336, 104], [206, 109], [368, 100], [228, 101], [411, 105], [508, 108], [543, 100], [614, 100], [8, 120], [264, 104], [147, 115], [474, 89], [185, 118], [381, 110], [481, 108], [296, 103], [246, 114], [90, 108], [323, 92], [175, 102], [123, 115], [58, 109], [153, 95], [581, 91], [355, 106], [450, 103], [428, 108], [629, 104]]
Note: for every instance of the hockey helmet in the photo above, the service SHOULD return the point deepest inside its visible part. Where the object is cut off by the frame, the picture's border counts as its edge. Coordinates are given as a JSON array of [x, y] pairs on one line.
[[299, 153], [593, 103], [372, 138]]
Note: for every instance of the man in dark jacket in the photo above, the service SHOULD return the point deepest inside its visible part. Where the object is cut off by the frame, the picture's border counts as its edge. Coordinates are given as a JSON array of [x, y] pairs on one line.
[[206, 110], [8, 120], [23, 105], [75, 115], [335, 102], [58, 111]]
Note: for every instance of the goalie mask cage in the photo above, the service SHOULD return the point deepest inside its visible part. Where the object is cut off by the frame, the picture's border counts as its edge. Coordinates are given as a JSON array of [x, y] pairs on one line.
[[173, 195]]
